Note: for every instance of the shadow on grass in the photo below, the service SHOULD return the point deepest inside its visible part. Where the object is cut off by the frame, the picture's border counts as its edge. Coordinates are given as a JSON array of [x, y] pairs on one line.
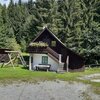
[[26, 68]]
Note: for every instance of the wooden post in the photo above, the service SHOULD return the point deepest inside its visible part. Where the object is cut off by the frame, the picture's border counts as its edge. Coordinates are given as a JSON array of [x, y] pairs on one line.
[[17, 54], [59, 58], [30, 66], [11, 60], [67, 62]]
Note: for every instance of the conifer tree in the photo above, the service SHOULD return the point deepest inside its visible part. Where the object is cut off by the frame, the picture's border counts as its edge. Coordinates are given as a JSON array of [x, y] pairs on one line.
[[75, 22], [91, 30]]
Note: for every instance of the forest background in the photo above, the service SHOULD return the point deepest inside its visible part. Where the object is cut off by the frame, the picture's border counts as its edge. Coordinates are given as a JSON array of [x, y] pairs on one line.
[[75, 22]]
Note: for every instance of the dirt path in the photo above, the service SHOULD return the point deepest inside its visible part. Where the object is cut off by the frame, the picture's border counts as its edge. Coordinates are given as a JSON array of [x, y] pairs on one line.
[[48, 90], [91, 77]]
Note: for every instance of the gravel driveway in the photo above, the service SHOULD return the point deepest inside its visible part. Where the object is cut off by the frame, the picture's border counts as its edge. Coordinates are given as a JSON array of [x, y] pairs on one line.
[[48, 90], [91, 77]]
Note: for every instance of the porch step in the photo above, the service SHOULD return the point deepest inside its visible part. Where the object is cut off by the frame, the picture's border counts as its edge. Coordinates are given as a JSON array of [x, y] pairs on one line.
[[61, 71]]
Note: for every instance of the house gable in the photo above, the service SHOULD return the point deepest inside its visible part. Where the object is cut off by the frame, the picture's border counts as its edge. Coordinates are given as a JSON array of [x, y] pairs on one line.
[[49, 38], [75, 60]]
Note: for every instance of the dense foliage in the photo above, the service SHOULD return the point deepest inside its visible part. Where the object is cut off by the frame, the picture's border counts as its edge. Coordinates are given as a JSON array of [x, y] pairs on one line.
[[74, 22]]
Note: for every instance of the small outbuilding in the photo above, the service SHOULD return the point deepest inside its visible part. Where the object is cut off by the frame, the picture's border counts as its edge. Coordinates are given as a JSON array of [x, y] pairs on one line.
[[47, 51]]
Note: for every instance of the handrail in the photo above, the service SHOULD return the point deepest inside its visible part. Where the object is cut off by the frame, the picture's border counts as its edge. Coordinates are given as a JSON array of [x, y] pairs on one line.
[[53, 53]]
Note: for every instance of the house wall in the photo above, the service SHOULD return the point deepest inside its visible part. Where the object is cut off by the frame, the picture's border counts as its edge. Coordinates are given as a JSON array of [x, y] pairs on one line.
[[37, 59]]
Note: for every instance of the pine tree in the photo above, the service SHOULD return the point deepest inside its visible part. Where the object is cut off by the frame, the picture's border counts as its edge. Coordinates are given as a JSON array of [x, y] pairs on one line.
[[30, 6], [90, 30], [1, 20], [46, 14], [70, 23], [20, 2], [4, 14], [75, 22]]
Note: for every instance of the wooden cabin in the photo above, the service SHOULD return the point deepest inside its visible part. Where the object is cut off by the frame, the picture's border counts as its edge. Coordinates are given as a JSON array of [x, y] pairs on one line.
[[47, 49]]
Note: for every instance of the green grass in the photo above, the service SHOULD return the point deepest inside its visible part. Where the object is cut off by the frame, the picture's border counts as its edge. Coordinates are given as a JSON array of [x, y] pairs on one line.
[[19, 74]]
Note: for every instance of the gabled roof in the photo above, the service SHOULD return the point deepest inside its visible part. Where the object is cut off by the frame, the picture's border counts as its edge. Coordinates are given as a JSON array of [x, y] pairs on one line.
[[46, 29], [51, 34]]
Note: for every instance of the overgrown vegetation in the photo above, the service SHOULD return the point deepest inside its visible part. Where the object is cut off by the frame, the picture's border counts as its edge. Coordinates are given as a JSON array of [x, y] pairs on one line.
[[74, 22]]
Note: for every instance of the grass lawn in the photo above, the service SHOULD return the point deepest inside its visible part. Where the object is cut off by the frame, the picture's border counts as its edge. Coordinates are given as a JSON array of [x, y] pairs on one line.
[[19, 74]]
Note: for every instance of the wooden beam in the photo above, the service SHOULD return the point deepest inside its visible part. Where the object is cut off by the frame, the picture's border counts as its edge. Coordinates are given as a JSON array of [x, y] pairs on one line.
[[11, 60], [59, 58], [22, 59], [30, 66], [67, 62], [12, 51], [16, 54]]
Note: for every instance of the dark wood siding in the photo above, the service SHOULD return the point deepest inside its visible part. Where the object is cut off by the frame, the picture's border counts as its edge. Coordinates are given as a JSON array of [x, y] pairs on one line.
[[75, 61], [4, 56]]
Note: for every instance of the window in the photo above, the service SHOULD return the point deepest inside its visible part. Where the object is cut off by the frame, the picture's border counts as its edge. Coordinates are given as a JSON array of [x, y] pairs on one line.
[[53, 43], [44, 60]]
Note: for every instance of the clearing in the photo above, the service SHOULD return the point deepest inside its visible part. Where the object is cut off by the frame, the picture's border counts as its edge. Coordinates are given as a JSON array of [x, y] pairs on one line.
[[22, 84], [48, 90]]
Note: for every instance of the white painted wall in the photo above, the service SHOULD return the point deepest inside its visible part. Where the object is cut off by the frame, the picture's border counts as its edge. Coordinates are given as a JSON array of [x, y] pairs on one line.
[[54, 64], [37, 59]]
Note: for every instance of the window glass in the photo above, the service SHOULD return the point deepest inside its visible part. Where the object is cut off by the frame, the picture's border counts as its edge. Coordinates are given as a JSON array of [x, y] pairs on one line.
[[44, 60], [53, 43]]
